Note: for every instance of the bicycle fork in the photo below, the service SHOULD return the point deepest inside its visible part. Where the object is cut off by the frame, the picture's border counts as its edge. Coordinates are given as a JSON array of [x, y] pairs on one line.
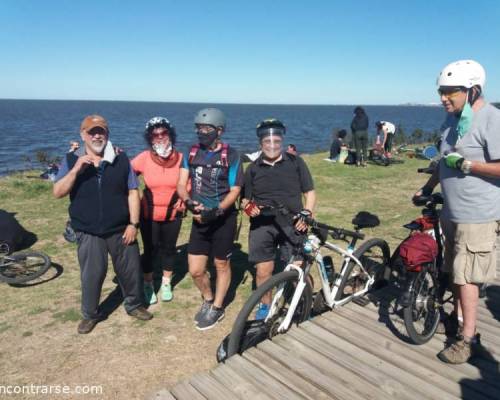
[[295, 299]]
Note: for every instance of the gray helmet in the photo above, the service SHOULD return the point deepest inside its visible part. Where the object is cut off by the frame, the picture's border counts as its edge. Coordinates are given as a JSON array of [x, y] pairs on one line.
[[210, 116]]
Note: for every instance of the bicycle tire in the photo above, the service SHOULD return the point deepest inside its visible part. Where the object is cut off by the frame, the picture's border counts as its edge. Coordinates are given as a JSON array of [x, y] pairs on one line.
[[423, 298], [17, 270], [283, 278], [374, 255]]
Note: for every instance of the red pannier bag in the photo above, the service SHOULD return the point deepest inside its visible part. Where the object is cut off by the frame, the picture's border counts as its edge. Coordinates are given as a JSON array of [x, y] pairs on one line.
[[418, 249]]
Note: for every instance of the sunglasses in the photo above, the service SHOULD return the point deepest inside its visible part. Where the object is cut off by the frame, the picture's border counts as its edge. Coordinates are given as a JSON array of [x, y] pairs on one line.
[[159, 135], [450, 92]]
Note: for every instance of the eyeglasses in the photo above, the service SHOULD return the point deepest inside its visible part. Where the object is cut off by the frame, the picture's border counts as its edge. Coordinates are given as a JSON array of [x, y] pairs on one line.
[[450, 92], [159, 135], [97, 131], [205, 128]]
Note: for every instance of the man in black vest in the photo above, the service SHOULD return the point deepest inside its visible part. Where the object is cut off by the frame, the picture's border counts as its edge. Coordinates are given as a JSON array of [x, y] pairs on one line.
[[104, 212], [274, 185]]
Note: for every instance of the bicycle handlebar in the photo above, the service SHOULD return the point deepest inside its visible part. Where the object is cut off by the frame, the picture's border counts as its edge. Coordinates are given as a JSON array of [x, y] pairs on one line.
[[337, 233]]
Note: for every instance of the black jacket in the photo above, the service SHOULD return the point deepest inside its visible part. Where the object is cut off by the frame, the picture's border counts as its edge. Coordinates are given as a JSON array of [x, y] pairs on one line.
[[359, 122]]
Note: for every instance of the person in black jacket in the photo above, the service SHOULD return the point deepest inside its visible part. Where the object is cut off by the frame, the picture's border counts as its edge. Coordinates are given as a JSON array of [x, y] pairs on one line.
[[359, 127], [104, 211]]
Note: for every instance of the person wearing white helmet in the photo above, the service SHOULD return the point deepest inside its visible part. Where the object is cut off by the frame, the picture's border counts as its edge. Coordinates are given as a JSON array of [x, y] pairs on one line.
[[469, 174]]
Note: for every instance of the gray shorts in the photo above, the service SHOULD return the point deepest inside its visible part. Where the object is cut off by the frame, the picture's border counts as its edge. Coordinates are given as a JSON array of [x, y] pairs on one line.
[[265, 238]]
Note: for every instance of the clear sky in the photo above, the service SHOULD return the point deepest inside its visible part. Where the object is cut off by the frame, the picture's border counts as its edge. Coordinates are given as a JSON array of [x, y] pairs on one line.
[[253, 51]]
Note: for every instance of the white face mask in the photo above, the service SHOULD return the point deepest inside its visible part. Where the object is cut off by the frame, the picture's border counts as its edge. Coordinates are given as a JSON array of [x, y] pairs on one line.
[[162, 149]]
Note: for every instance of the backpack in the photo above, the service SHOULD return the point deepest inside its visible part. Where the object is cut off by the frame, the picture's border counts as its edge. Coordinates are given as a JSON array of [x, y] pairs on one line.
[[13, 236], [223, 155], [420, 248]]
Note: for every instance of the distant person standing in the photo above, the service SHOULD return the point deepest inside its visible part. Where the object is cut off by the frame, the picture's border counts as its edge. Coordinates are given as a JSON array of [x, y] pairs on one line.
[[104, 210], [387, 131], [359, 128]]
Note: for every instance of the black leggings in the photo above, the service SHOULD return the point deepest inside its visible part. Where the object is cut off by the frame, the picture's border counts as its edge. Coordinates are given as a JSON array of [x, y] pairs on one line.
[[159, 238]]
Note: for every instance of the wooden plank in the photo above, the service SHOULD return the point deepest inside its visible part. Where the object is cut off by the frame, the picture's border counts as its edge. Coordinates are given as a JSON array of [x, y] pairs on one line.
[[329, 383], [285, 375], [481, 368], [430, 370], [211, 388], [243, 388], [163, 394], [364, 378], [265, 382], [184, 391]]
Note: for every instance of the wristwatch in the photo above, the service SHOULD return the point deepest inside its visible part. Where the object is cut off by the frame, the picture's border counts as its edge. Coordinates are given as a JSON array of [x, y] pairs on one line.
[[134, 224], [466, 167]]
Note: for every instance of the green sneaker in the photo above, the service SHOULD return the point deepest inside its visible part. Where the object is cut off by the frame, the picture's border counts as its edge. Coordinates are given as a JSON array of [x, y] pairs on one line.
[[149, 294], [166, 292]]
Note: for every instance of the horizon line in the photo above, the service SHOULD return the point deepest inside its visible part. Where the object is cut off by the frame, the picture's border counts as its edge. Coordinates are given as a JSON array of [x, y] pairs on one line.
[[407, 104]]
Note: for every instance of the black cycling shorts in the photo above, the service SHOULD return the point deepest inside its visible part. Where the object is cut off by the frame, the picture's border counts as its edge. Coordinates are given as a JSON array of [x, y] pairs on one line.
[[215, 239], [267, 236]]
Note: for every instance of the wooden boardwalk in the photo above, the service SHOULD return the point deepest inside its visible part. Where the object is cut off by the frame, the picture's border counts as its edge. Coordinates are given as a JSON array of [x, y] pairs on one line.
[[355, 352]]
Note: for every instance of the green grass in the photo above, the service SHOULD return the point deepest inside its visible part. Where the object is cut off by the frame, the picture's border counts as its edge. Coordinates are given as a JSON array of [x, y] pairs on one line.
[[51, 308]]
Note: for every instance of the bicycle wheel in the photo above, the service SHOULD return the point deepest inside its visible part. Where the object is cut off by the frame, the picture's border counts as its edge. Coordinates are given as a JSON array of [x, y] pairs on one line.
[[23, 267], [285, 282], [374, 255], [421, 316]]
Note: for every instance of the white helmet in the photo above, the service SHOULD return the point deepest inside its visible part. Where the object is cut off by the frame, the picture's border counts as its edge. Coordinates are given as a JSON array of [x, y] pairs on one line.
[[466, 73]]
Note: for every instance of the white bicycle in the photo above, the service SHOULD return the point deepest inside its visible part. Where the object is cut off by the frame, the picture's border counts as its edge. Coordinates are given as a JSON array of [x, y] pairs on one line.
[[291, 293]]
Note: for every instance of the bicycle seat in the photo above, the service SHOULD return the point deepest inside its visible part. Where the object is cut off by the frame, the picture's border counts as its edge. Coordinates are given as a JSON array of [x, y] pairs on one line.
[[364, 219]]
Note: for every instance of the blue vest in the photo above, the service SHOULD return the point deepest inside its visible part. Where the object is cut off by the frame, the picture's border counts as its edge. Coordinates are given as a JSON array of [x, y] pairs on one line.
[[99, 197]]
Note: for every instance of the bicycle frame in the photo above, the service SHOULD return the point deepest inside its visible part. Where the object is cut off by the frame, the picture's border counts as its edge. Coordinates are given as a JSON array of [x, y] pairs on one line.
[[329, 293]]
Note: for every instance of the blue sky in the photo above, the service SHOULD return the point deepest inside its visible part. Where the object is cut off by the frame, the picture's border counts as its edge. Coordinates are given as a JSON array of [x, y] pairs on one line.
[[292, 52]]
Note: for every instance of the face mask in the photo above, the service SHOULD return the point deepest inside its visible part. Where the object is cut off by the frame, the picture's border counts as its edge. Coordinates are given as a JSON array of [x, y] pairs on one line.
[[162, 150], [272, 146], [207, 139], [465, 120]]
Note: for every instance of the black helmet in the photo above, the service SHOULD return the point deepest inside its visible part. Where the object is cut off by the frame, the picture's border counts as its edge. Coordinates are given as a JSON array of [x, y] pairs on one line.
[[160, 122], [379, 124], [270, 126]]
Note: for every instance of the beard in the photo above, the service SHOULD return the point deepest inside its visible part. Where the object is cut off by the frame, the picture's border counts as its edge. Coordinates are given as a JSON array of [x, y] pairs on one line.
[[98, 146]]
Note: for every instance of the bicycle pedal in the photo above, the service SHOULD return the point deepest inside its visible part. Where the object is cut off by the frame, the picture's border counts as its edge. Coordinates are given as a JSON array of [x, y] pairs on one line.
[[361, 301]]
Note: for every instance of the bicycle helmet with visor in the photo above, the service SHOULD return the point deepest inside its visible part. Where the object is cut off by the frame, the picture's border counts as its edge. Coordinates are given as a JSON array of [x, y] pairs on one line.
[[159, 122], [270, 126]]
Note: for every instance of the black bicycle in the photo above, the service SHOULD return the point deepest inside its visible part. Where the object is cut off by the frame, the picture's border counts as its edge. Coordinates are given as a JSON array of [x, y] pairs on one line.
[[23, 266], [424, 286]]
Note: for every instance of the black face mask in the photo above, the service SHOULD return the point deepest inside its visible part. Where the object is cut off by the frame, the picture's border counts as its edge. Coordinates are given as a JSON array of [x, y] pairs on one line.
[[207, 139]]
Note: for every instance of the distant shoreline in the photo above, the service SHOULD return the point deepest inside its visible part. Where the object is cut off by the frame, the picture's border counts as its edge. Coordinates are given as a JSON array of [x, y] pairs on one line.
[[410, 104]]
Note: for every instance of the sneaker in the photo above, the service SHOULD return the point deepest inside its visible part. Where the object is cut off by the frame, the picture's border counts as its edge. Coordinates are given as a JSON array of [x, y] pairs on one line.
[[166, 292], [86, 325], [262, 312], [205, 306], [141, 313], [459, 352], [149, 294], [210, 318]]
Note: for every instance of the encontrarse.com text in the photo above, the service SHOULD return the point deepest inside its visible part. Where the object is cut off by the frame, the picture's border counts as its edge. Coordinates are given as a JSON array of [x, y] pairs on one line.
[[50, 389]]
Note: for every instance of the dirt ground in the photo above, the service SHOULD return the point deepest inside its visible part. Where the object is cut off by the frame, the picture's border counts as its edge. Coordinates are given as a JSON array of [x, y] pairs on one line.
[[130, 359]]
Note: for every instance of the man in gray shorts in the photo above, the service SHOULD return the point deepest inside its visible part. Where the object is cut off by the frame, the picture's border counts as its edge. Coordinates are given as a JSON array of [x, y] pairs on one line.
[[469, 174]]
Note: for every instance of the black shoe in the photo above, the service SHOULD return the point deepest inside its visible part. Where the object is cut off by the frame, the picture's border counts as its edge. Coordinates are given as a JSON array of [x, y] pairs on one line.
[[86, 325], [205, 306], [210, 318], [141, 313]]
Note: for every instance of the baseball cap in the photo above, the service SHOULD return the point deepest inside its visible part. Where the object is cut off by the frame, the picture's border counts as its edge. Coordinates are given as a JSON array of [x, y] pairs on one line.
[[93, 121]]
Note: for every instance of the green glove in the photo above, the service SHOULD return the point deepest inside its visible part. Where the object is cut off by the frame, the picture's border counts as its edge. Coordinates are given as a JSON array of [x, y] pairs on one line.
[[454, 160]]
